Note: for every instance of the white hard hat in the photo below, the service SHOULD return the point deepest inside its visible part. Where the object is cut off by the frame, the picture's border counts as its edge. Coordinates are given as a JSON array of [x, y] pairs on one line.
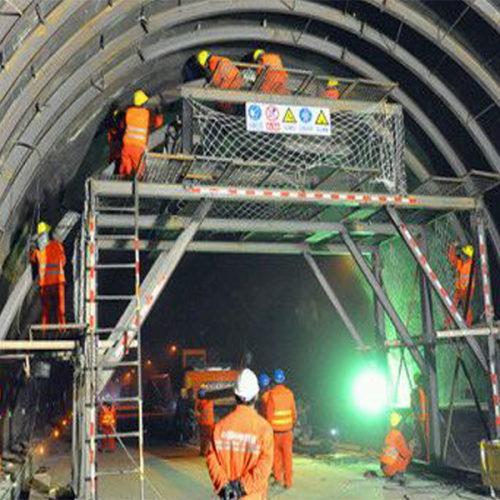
[[247, 385]]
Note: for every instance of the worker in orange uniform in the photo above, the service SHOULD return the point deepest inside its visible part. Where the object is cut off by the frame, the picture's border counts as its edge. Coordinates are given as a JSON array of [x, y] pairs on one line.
[[420, 408], [138, 121], [464, 282], [264, 385], [206, 420], [107, 422], [274, 78], [332, 90], [281, 414], [240, 457], [221, 71], [396, 455], [49, 258]]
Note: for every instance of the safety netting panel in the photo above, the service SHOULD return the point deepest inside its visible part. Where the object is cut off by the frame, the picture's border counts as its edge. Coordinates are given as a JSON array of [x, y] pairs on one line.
[[368, 141]]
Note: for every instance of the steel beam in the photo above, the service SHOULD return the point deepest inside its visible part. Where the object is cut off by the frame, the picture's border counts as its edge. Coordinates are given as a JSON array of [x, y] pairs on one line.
[[151, 288], [384, 299], [268, 195], [441, 292], [332, 296]]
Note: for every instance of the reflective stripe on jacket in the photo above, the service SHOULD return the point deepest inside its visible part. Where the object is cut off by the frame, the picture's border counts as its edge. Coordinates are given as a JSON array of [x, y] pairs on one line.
[[108, 417], [50, 261], [242, 449], [225, 74], [137, 121], [280, 409], [395, 448], [205, 411]]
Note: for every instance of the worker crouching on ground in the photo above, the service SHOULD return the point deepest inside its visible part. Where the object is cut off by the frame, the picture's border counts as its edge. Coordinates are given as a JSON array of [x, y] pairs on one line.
[[273, 79], [49, 258], [420, 409], [240, 457], [282, 415], [221, 71], [332, 90], [206, 420], [107, 422], [138, 121], [265, 386], [396, 455], [463, 262]]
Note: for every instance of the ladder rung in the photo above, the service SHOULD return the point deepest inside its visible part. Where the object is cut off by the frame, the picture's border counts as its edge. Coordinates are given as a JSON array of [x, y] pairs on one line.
[[117, 472], [114, 209], [123, 364], [118, 330], [115, 297], [114, 237], [124, 435], [135, 399], [115, 266]]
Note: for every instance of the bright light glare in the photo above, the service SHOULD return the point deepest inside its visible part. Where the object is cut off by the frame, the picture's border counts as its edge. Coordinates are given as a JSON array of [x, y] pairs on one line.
[[370, 391], [334, 432]]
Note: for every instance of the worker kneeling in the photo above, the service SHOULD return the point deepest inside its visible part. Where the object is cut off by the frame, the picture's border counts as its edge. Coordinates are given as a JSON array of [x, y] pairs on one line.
[[206, 420], [281, 414], [240, 456], [107, 421], [396, 455]]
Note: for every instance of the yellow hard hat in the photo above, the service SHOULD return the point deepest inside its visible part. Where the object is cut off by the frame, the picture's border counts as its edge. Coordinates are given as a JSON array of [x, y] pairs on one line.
[[140, 98], [43, 227], [257, 54], [468, 250], [395, 419], [332, 83], [203, 57]]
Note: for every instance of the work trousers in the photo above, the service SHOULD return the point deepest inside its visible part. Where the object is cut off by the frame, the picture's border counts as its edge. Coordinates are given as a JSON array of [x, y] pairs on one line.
[[53, 299], [424, 437], [399, 466], [108, 443], [205, 437], [283, 456], [460, 302], [131, 160]]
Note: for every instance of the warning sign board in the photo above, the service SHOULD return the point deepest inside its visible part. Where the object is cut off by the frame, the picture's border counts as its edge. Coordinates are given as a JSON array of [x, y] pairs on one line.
[[283, 119]]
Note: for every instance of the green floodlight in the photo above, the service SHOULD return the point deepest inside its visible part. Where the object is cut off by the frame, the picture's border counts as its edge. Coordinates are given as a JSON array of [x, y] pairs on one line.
[[370, 391]]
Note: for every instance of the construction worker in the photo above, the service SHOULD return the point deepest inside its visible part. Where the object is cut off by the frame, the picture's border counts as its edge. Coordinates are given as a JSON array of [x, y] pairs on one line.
[[138, 121], [240, 456], [282, 415], [221, 71], [274, 79], [49, 258], [332, 90], [116, 129], [206, 419], [420, 408], [107, 422], [464, 282], [396, 454], [264, 385]]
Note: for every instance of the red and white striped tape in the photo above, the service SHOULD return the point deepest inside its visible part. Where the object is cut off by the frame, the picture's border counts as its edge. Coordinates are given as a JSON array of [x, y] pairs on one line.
[[485, 275], [494, 385], [306, 195], [450, 306]]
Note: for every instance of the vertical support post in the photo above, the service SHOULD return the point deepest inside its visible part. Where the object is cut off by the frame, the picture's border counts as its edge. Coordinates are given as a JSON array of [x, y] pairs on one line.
[[489, 313], [430, 358], [187, 127]]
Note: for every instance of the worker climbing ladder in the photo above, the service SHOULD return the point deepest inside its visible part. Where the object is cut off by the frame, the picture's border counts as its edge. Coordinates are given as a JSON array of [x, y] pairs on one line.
[[95, 362]]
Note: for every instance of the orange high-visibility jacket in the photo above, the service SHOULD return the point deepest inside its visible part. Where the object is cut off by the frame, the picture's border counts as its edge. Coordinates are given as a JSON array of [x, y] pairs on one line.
[[423, 414], [464, 270], [205, 411], [138, 121], [242, 449], [225, 75], [51, 261], [280, 409], [332, 93], [264, 399], [108, 416], [396, 455], [275, 81]]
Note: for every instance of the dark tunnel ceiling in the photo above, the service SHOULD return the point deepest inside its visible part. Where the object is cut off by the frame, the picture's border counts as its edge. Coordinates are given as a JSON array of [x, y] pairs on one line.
[[64, 61]]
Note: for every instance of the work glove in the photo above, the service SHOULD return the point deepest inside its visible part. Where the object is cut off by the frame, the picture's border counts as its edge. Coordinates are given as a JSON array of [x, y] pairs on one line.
[[232, 491], [238, 488]]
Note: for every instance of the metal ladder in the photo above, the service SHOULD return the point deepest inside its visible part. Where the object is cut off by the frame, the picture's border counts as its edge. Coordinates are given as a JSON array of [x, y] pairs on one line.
[[93, 354]]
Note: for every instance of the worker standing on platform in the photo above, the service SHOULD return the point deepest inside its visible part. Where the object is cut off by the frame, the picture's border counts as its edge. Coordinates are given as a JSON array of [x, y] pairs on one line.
[[107, 422], [49, 258], [282, 415], [240, 457], [332, 90], [138, 121], [206, 420], [264, 385], [274, 78], [420, 408], [221, 71], [396, 455], [463, 262]]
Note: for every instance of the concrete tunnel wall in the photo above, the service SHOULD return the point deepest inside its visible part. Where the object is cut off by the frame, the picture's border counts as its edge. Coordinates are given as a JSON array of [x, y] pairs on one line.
[[64, 62]]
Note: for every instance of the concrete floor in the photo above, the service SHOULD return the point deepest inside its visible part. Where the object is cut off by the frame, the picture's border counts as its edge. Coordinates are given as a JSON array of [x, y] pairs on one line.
[[178, 473]]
